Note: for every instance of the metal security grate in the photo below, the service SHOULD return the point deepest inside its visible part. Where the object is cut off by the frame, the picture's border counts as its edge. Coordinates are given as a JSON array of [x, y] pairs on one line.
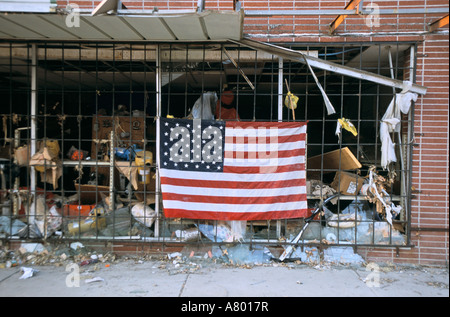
[[79, 139]]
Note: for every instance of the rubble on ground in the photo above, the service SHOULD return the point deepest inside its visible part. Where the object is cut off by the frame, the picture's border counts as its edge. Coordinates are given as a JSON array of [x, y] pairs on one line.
[[57, 255]]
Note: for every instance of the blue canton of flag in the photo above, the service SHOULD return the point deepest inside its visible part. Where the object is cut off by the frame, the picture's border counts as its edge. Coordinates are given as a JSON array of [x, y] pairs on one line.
[[193, 145]]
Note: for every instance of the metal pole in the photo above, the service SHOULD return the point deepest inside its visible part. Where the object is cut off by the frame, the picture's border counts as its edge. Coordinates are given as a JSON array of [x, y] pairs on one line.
[[112, 205], [280, 89], [280, 116], [33, 125], [259, 13], [158, 116]]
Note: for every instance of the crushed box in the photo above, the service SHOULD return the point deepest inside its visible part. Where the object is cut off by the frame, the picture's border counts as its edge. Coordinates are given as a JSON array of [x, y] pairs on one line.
[[347, 183]]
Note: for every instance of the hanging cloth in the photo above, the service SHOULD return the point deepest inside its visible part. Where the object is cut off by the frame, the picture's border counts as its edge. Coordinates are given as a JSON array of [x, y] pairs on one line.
[[328, 105], [401, 103]]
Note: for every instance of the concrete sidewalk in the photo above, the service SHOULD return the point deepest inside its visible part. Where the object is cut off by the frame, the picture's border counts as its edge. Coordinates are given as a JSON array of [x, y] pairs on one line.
[[167, 278]]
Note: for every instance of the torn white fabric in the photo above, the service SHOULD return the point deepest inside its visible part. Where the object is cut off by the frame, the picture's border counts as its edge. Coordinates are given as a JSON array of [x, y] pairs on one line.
[[387, 146], [401, 103], [338, 129], [328, 105]]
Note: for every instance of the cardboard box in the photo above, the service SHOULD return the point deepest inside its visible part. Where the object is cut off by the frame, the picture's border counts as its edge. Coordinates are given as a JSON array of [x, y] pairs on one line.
[[340, 159], [347, 183]]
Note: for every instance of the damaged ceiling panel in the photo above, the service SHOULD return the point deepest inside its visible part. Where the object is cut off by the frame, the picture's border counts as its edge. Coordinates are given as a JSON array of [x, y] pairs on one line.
[[28, 5], [203, 26]]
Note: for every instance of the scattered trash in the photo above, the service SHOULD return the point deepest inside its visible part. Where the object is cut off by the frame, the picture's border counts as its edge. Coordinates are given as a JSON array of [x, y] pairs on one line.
[[174, 255], [76, 245], [376, 192], [87, 262], [11, 263], [324, 191], [307, 255], [31, 248], [95, 279], [344, 221], [222, 232], [243, 254], [191, 234], [27, 272]]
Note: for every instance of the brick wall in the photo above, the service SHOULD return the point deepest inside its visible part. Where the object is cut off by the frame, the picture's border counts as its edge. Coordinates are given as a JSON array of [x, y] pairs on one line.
[[431, 156], [430, 177]]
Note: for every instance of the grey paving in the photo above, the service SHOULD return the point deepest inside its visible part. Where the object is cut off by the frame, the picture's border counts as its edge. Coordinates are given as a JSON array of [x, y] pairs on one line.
[[159, 278]]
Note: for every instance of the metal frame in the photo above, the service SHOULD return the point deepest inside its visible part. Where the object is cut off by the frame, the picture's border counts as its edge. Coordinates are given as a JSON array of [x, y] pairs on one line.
[[285, 59], [343, 12], [332, 67]]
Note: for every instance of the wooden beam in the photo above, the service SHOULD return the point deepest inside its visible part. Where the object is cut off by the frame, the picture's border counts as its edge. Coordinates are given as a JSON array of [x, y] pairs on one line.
[[340, 18], [438, 23]]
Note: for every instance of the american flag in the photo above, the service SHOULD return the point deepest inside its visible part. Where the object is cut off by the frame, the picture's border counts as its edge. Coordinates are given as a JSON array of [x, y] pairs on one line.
[[229, 170]]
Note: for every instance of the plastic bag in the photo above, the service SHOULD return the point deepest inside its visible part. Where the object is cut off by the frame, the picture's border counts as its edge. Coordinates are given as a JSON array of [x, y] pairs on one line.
[[9, 226], [230, 231], [144, 214], [204, 107], [344, 220], [191, 234], [238, 229], [217, 233]]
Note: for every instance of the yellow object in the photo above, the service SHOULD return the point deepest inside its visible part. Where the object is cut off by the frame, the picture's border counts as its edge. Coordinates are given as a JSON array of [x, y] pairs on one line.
[[347, 125], [95, 220], [53, 149], [169, 116], [144, 160], [291, 101]]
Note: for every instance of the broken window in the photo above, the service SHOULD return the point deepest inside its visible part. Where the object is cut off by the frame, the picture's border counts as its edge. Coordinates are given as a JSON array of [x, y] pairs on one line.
[[80, 137]]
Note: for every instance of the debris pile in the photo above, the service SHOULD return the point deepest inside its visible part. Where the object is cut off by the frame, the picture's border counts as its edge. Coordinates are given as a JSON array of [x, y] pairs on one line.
[[36, 254]]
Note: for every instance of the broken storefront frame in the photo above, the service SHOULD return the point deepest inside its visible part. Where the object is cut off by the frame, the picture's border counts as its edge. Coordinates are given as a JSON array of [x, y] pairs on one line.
[[95, 140]]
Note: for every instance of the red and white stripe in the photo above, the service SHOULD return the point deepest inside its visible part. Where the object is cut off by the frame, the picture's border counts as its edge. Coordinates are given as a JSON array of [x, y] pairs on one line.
[[255, 184]]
